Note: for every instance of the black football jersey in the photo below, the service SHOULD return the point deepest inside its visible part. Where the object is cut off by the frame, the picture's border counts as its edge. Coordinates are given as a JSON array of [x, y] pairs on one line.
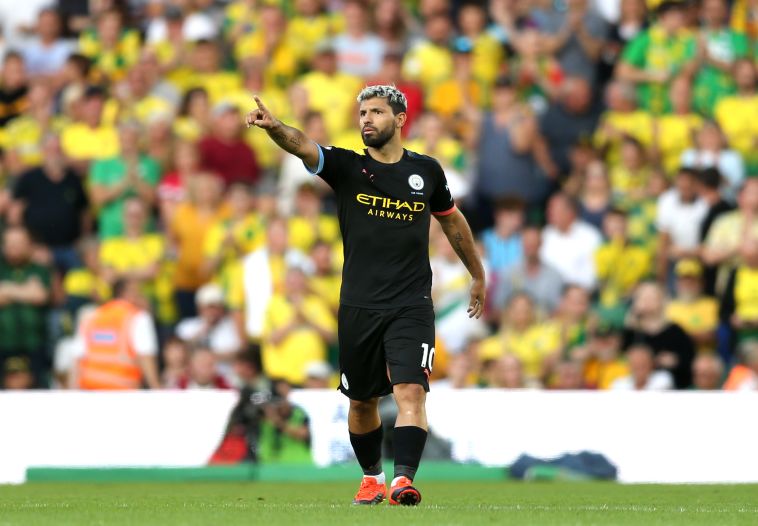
[[384, 212]]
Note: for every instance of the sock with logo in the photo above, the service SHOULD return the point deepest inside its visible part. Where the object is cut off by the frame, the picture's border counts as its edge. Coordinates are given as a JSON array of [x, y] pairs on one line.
[[409, 445], [368, 451]]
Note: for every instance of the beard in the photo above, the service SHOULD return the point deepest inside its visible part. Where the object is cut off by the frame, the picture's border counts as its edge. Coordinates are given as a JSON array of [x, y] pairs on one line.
[[379, 138]]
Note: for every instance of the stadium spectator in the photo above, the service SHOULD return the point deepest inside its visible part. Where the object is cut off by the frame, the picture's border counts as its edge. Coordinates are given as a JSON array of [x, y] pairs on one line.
[[502, 242], [247, 370], [89, 137], [522, 335], [622, 119], [175, 356], [115, 179], [632, 20], [13, 88], [461, 372], [595, 195], [429, 61], [330, 92], [212, 329], [136, 254], [679, 215], [201, 373], [112, 48], [567, 376], [188, 230], [25, 293], [46, 55], [657, 55], [719, 47], [52, 203], [224, 151], [707, 372], [172, 189], [308, 223], [25, 134], [711, 151], [571, 319], [487, 53], [630, 176], [573, 116], [642, 373], [729, 230], [508, 136], [601, 357], [530, 275], [709, 184], [568, 244], [575, 36], [394, 24], [326, 280], [620, 264], [117, 345], [505, 372], [673, 132], [193, 24], [359, 51], [298, 326], [16, 374], [733, 112], [193, 120], [694, 312], [739, 302], [646, 324]]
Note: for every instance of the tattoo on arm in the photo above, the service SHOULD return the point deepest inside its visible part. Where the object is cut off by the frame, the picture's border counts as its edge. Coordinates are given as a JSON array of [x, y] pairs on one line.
[[457, 239], [288, 138]]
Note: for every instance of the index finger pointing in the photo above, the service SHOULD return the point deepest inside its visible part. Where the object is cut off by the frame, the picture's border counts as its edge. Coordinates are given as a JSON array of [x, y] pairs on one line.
[[259, 103]]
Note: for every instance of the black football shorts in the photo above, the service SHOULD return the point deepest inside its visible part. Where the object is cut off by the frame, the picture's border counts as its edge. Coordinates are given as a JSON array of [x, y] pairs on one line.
[[383, 347]]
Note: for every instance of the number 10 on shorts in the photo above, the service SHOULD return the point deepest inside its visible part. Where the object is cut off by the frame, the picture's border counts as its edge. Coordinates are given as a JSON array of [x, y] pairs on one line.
[[427, 359]]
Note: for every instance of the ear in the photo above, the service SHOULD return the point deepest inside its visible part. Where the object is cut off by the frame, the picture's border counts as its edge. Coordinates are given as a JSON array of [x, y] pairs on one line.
[[400, 119]]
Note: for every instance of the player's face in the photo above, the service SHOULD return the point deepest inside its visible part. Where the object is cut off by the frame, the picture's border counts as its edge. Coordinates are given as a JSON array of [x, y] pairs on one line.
[[378, 123]]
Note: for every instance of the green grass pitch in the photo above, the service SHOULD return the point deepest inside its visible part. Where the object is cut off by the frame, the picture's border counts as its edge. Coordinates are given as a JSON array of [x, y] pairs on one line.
[[312, 504]]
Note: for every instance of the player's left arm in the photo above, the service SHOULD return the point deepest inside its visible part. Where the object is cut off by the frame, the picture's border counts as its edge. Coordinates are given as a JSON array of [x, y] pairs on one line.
[[459, 234]]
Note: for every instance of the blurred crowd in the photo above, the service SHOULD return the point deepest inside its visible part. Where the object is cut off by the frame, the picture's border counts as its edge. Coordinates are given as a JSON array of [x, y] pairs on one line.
[[602, 151]]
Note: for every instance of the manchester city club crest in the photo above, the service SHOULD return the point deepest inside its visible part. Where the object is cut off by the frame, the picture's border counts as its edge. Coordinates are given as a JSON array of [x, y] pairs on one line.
[[416, 182]]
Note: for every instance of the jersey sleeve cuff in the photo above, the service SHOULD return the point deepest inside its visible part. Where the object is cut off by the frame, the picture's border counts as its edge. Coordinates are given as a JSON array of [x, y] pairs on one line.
[[445, 212], [320, 166]]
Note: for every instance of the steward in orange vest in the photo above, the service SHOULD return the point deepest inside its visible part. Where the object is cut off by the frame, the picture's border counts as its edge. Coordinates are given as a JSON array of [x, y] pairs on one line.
[[110, 359]]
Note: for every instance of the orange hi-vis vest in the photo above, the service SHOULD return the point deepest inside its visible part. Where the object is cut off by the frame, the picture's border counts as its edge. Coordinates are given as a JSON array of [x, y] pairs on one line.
[[110, 361]]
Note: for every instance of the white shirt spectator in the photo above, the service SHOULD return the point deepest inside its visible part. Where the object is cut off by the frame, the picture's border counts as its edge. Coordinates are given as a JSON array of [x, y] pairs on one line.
[[45, 60], [572, 253], [658, 381], [680, 220], [196, 26], [359, 56], [223, 338]]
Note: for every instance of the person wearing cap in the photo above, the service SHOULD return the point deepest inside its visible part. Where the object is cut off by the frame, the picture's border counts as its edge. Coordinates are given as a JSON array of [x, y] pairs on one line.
[[224, 151], [116, 347], [657, 55], [115, 179], [694, 312], [318, 375]]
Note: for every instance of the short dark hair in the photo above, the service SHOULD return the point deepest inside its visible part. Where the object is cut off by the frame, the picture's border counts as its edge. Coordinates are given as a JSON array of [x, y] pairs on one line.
[[510, 203], [80, 62], [710, 178], [688, 172]]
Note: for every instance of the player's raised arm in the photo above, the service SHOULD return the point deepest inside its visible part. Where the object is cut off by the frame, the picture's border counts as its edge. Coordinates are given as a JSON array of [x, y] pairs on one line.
[[459, 234], [288, 138]]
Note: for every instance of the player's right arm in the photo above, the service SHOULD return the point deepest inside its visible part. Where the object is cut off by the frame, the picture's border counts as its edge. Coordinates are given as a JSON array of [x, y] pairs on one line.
[[286, 137]]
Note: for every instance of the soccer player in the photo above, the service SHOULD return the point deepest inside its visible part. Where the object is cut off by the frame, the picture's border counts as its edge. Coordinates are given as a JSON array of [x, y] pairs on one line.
[[386, 197]]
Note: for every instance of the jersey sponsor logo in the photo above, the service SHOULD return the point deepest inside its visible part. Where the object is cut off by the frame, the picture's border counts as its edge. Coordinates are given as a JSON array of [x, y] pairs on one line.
[[390, 208], [416, 182]]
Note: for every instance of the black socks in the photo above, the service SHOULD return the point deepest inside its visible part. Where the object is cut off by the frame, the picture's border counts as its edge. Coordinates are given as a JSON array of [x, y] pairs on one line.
[[368, 450], [409, 445]]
